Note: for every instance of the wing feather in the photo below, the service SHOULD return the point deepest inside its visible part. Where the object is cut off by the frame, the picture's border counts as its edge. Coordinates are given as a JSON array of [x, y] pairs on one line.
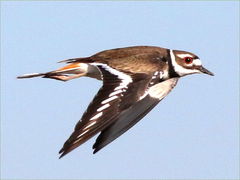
[[134, 114], [105, 107]]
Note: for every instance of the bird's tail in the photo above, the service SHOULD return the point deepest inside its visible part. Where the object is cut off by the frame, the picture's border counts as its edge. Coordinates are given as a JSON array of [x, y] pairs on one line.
[[31, 75], [68, 72]]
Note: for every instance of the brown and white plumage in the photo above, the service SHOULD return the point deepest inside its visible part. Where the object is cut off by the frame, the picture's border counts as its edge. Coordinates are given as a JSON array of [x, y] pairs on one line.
[[134, 79]]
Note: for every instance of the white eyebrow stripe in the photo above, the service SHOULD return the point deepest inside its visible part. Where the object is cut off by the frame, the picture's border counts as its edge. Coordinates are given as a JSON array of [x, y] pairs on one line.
[[96, 116], [184, 55], [197, 62], [103, 107]]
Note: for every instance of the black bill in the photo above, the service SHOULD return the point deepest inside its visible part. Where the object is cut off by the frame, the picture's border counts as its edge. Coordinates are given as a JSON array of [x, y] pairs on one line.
[[205, 71]]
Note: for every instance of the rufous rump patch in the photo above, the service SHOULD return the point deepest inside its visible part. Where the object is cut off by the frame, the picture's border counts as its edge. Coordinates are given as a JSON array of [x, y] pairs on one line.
[[70, 66]]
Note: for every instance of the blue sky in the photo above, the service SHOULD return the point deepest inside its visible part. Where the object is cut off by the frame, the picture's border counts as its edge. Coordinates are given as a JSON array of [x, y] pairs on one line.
[[193, 133]]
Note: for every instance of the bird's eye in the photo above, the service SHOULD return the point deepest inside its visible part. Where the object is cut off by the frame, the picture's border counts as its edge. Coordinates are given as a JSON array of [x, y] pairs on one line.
[[188, 60]]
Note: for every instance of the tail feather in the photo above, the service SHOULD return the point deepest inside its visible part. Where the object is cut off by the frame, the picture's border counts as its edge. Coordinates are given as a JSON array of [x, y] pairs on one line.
[[31, 75]]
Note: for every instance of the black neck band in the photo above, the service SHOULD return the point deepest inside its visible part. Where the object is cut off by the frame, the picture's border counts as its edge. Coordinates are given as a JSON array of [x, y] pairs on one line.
[[171, 71]]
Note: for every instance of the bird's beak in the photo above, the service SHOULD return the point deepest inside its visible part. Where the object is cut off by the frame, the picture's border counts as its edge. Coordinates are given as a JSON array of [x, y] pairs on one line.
[[205, 71]]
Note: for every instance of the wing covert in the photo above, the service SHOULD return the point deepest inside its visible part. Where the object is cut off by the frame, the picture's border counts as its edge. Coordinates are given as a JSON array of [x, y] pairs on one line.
[[119, 91]]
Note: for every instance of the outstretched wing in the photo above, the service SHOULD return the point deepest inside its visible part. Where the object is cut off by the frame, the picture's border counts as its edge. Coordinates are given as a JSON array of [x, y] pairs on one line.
[[119, 91], [136, 112]]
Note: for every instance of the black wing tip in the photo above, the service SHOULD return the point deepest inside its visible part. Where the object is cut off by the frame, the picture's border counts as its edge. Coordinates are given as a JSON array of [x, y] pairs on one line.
[[96, 148], [60, 157], [62, 153], [95, 151]]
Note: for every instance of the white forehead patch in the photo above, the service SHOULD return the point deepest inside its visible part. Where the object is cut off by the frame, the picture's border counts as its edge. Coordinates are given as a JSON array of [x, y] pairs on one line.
[[184, 55], [197, 62]]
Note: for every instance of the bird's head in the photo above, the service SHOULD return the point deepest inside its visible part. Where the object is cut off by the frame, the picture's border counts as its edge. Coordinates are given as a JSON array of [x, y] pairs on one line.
[[185, 63]]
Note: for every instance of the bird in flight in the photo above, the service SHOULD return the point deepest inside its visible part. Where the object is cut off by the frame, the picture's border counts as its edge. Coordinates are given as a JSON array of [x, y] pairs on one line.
[[135, 79]]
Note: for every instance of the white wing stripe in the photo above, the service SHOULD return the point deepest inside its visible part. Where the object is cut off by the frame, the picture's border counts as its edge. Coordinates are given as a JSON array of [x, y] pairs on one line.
[[109, 99], [115, 92], [80, 135], [126, 79], [96, 116], [103, 107], [119, 87], [89, 125]]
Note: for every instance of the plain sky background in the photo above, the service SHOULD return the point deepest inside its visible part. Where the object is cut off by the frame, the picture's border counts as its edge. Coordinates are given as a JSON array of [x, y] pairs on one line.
[[193, 133]]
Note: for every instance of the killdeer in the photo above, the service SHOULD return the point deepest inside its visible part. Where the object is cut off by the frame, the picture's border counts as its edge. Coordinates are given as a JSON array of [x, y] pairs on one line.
[[135, 79]]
